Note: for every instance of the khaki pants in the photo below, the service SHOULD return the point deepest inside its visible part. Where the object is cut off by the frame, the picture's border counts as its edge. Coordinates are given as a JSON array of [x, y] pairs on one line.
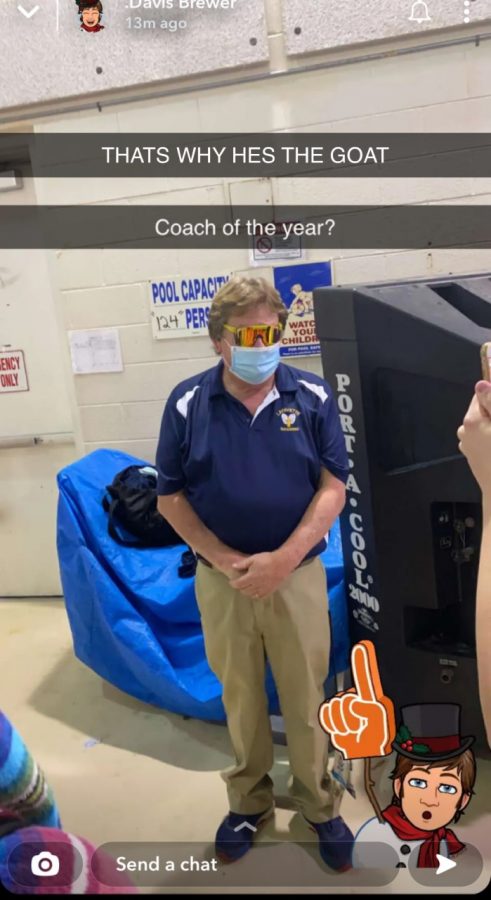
[[291, 627]]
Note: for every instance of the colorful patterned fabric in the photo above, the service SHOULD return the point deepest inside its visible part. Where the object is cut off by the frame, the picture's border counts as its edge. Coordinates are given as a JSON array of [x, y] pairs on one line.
[[25, 798], [30, 827], [74, 856]]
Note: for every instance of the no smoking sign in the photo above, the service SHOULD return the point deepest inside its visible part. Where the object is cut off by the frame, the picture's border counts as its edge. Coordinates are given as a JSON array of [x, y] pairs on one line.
[[276, 246]]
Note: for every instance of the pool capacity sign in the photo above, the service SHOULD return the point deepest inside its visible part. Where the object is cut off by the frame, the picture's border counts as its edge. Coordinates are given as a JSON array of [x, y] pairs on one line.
[[181, 305]]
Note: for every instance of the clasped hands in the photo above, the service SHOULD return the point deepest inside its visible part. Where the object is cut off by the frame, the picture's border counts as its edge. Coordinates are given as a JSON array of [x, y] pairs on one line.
[[258, 575]]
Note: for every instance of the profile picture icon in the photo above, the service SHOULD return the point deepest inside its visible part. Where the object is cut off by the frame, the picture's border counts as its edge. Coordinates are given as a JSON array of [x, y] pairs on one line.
[[90, 15]]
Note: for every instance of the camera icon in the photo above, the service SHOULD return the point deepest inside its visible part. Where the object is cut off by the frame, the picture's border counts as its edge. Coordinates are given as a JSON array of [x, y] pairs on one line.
[[45, 863]]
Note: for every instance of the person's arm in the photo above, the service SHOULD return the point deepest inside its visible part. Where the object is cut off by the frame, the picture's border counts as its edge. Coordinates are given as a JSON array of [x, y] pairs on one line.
[[320, 515], [179, 512], [475, 443], [172, 502], [483, 617], [330, 497], [266, 571]]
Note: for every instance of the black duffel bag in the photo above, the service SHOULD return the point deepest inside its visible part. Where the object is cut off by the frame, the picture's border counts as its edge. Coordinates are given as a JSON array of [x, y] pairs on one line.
[[132, 505]]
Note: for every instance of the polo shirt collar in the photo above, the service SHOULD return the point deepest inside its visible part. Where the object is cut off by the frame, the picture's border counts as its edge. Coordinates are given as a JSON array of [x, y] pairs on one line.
[[284, 380], [216, 380]]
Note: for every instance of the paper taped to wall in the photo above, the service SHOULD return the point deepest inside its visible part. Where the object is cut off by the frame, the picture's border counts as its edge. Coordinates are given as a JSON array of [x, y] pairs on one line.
[[95, 350]]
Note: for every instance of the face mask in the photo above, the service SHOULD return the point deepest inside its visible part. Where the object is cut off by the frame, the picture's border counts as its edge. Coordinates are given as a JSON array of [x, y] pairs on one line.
[[255, 364]]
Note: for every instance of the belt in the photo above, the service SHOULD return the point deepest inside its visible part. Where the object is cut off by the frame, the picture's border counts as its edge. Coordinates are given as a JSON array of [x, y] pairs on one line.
[[206, 563]]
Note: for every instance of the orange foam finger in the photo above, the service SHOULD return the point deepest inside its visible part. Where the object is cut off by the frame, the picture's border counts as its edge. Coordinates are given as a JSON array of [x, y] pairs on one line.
[[391, 722], [365, 671], [337, 718], [378, 733], [351, 720], [325, 718]]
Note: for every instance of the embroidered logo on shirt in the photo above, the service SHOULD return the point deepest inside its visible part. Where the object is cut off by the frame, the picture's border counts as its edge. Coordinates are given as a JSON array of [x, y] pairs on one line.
[[289, 417]]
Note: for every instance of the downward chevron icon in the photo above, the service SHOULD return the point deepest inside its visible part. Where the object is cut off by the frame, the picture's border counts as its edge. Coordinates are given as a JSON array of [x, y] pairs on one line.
[[27, 14]]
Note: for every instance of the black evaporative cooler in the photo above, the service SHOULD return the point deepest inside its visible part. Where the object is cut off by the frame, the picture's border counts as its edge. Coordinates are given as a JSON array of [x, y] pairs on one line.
[[403, 359]]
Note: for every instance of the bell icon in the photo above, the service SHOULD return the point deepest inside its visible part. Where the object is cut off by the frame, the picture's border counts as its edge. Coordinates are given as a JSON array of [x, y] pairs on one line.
[[419, 13]]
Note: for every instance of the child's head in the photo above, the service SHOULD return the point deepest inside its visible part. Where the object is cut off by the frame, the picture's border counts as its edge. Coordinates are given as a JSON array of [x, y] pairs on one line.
[[434, 794]]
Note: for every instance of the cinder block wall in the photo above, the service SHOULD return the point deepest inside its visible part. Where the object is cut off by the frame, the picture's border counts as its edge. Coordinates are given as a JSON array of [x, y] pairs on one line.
[[58, 61], [437, 90]]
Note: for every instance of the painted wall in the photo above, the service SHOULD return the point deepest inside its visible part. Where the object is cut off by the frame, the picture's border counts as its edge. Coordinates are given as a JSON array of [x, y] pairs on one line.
[[442, 90], [47, 56], [316, 24], [48, 66], [28, 489]]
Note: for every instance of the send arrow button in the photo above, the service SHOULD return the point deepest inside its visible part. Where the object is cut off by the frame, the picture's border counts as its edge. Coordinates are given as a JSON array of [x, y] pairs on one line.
[[444, 864], [460, 870]]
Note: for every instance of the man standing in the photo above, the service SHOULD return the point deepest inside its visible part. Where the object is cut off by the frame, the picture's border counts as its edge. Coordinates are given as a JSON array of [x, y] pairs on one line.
[[252, 469]]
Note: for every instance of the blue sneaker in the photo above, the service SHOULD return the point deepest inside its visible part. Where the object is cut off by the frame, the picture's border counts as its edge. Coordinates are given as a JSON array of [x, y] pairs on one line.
[[335, 843], [236, 834]]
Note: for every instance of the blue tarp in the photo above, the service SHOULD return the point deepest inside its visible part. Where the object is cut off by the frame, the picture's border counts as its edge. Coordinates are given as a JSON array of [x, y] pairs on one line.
[[133, 620]]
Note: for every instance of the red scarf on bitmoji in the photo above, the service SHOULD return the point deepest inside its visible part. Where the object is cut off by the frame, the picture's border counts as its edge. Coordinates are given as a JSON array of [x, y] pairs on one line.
[[431, 839]]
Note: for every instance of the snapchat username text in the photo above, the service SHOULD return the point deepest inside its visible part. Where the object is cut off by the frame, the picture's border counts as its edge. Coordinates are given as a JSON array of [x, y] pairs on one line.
[[168, 5]]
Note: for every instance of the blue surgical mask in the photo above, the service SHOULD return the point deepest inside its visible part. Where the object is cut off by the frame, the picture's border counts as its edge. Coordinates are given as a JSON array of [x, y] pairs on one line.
[[255, 364]]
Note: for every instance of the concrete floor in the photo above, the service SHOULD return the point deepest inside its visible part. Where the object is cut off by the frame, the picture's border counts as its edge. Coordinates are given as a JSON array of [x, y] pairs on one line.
[[125, 771]]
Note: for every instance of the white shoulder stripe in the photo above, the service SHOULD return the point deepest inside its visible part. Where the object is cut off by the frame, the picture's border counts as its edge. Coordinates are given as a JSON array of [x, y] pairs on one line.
[[315, 388], [184, 401]]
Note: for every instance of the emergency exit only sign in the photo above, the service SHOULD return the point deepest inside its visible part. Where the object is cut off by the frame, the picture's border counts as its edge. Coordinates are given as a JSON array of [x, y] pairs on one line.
[[13, 375]]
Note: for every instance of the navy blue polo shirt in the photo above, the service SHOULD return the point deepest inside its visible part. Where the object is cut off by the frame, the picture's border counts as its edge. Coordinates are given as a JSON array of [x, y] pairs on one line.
[[250, 478]]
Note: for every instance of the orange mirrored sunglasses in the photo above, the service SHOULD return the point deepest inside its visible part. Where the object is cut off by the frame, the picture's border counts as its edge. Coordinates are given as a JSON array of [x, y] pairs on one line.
[[247, 335]]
